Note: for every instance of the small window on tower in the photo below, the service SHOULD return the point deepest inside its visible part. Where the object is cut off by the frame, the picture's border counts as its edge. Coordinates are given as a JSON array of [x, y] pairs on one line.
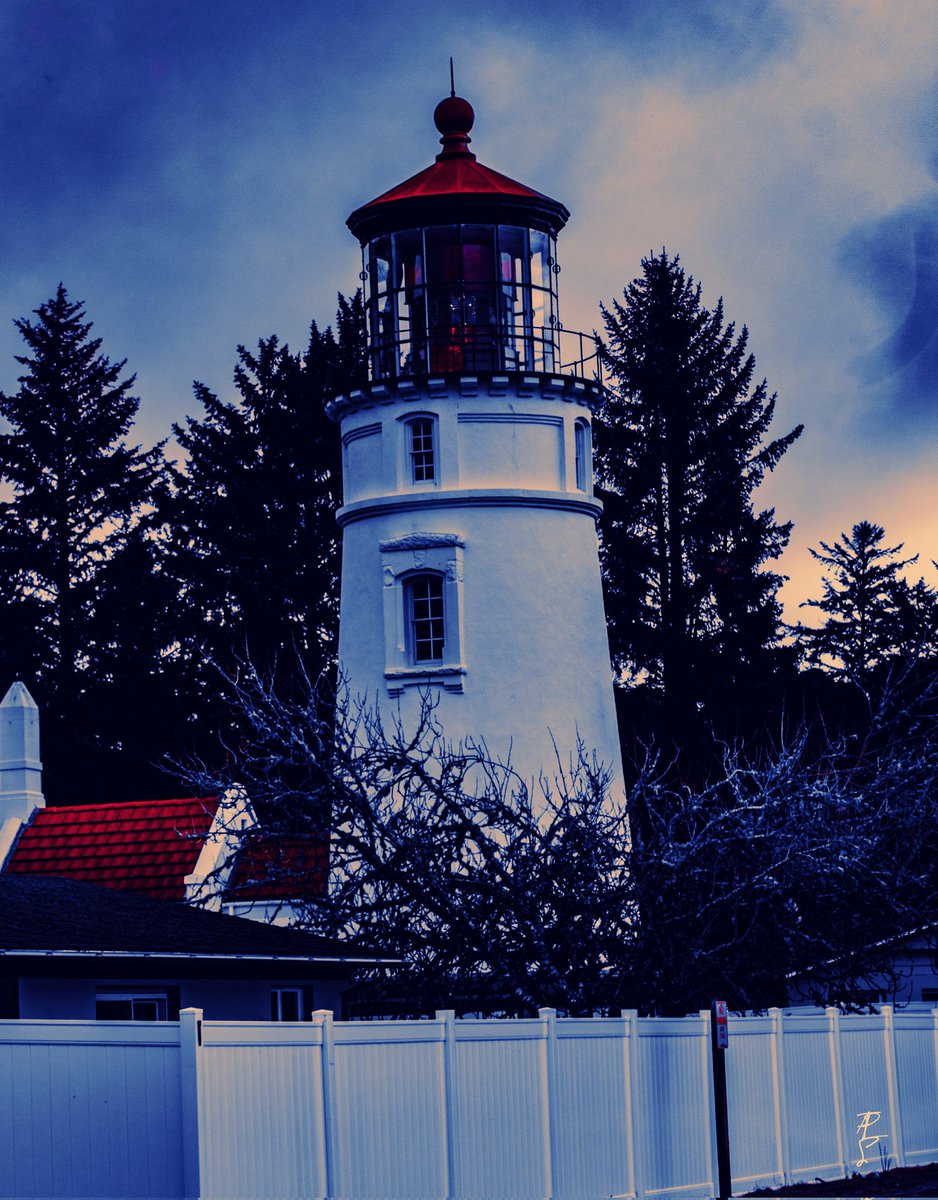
[[421, 438], [584, 466], [425, 617]]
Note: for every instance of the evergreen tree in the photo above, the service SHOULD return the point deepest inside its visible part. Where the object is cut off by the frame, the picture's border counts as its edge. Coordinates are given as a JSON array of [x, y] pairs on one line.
[[73, 524], [680, 451], [873, 615], [250, 524]]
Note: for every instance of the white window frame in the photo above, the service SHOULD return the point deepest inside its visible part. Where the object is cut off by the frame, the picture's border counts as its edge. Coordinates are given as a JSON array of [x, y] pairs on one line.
[[276, 1003], [157, 997], [437, 620], [402, 559], [409, 464]]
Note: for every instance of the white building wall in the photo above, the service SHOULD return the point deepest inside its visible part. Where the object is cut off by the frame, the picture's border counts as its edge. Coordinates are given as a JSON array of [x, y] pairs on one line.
[[219, 998], [518, 544]]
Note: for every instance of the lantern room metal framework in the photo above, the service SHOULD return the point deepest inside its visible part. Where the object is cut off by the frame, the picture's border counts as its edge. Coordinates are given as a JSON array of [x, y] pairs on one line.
[[459, 266]]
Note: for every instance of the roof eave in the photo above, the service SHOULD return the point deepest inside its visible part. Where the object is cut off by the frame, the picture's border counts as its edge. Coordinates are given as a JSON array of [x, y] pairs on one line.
[[535, 211]]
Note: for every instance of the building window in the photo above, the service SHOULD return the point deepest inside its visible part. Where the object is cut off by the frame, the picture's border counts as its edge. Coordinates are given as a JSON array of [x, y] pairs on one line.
[[423, 580], [425, 617], [422, 450], [130, 1006], [584, 467], [286, 1004]]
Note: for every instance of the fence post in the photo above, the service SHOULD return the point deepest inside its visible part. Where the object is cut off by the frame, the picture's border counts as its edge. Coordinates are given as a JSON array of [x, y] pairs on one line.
[[448, 1019], [837, 1085], [190, 1064], [892, 1082], [636, 1183], [324, 1017], [548, 1018], [709, 1100], [779, 1096]]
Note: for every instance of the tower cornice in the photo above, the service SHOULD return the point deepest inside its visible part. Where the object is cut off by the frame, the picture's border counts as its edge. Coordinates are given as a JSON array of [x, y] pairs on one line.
[[523, 385], [574, 502]]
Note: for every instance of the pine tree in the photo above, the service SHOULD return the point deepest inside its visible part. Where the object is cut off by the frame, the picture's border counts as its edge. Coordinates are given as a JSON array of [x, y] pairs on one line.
[[680, 451], [873, 615], [250, 525], [79, 492]]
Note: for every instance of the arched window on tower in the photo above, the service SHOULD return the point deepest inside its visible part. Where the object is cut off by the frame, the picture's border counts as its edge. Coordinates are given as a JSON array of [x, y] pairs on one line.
[[426, 623]]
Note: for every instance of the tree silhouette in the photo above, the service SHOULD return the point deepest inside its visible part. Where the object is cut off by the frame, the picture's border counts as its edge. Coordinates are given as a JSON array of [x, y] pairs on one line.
[[680, 450], [249, 523], [74, 523], [873, 615]]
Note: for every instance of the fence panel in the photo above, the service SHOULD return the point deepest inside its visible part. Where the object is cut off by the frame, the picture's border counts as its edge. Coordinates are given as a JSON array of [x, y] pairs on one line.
[[88, 1109], [590, 1109], [916, 1052], [500, 1140], [261, 1111], [752, 1103], [811, 1113], [390, 1111], [673, 1124], [866, 1098]]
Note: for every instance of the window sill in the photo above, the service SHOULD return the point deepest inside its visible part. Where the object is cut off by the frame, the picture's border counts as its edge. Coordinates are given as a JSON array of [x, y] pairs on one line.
[[451, 676]]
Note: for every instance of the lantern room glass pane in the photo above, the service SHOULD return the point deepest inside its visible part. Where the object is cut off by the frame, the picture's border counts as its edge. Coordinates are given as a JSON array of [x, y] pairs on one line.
[[454, 298], [410, 292]]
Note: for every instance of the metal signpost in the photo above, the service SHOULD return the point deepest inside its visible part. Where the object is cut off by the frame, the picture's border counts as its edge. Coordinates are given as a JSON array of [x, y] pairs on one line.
[[719, 1041]]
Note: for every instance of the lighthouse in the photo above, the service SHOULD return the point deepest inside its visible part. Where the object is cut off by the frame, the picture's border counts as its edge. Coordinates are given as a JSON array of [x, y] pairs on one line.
[[470, 565]]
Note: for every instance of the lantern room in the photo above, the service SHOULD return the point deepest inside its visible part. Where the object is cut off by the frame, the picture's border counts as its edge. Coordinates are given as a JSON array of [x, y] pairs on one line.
[[460, 267]]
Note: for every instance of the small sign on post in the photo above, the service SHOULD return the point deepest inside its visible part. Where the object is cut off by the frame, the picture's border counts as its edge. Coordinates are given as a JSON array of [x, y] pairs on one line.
[[719, 1044], [720, 1016]]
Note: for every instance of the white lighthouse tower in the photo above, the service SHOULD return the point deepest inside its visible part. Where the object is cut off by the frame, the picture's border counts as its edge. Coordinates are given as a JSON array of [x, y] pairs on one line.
[[470, 568]]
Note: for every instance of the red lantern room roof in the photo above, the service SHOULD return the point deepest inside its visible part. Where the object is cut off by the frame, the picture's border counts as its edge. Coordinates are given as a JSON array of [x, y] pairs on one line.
[[456, 188]]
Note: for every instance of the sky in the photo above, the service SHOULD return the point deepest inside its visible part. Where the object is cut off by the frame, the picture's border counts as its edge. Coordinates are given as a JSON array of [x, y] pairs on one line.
[[185, 167]]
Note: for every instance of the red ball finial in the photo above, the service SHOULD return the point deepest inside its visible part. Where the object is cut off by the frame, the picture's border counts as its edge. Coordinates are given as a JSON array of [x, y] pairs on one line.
[[454, 117]]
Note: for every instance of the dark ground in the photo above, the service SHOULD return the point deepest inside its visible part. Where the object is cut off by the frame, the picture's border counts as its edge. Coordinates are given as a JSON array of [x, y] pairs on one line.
[[903, 1181]]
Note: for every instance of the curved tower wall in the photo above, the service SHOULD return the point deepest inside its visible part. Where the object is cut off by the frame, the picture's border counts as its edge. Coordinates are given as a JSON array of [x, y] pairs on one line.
[[512, 537]]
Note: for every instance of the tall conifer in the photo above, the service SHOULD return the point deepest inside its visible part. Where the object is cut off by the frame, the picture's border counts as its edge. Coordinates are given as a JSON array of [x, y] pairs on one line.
[[252, 537], [77, 493], [680, 450]]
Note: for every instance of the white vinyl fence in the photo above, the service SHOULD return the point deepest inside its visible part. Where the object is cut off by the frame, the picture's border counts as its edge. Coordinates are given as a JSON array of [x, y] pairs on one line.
[[472, 1109]]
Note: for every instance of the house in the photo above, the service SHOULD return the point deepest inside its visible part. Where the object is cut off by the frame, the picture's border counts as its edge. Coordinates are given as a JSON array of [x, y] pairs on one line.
[[910, 977], [209, 852], [71, 950]]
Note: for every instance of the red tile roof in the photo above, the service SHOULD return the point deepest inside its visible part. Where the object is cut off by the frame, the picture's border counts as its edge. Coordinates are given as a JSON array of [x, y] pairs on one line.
[[279, 868], [146, 846], [457, 176]]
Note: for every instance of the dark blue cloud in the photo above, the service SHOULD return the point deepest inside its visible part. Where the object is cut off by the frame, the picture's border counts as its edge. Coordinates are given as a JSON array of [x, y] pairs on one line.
[[896, 260]]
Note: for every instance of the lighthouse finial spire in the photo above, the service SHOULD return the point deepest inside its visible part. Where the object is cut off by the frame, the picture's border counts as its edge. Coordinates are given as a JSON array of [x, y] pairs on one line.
[[452, 78]]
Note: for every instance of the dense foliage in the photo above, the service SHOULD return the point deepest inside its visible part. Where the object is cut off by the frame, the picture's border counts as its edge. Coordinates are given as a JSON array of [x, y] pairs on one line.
[[150, 606], [119, 570], [800, 870]]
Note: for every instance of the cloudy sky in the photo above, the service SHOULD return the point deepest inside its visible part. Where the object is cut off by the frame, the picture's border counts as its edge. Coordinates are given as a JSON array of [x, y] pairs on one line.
[[185, 167]]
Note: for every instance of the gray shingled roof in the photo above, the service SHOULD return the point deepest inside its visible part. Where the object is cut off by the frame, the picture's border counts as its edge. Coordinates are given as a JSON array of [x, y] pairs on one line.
[[43, 914]]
